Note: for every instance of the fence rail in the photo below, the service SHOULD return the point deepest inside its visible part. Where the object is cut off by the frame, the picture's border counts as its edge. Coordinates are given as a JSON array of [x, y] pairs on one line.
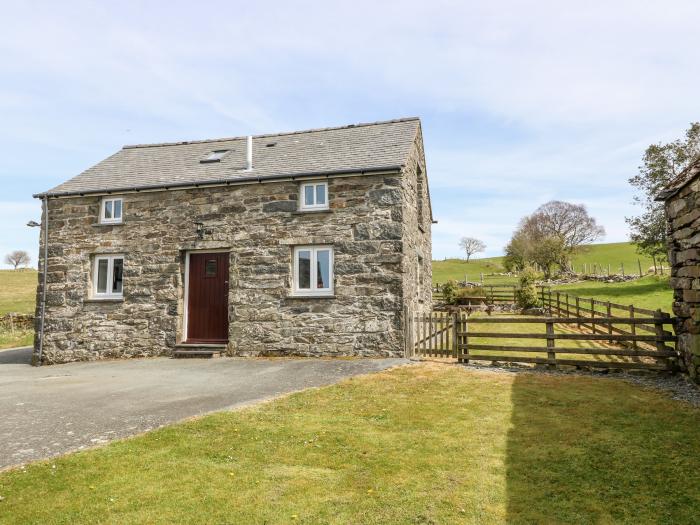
[[451, 335]]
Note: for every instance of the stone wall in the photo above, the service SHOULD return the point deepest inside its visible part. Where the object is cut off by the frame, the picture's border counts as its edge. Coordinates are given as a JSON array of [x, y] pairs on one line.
[[417, 277], [683, 212], [369, 224]]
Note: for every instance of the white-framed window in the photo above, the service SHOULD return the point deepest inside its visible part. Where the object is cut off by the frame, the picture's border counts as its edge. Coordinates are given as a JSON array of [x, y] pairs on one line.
[[108, 277], [313, 196], [111, 210], [313, 270]]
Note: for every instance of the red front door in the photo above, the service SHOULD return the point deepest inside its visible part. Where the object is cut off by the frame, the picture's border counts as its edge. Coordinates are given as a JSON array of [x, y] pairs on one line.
[[207, 298]]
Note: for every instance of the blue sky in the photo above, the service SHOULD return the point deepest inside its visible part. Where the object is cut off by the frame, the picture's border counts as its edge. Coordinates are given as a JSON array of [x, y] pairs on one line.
[[520, 102]]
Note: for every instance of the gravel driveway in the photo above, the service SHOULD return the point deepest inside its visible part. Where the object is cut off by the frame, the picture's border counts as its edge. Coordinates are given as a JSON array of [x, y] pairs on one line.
[[55, 409]]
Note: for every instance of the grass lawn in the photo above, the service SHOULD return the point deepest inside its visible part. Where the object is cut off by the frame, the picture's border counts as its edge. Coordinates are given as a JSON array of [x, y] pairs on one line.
[[650, 292], [420, 444]]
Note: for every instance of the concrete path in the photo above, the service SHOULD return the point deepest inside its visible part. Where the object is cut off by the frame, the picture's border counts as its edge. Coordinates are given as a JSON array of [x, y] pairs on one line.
[[51, 410]]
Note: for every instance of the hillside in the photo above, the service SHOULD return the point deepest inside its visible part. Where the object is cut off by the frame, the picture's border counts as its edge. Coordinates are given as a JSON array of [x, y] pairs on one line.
[[615, 254], [17, 291]]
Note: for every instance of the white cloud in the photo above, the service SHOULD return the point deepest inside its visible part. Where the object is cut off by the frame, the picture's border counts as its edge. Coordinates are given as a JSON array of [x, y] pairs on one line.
[[563, 97]]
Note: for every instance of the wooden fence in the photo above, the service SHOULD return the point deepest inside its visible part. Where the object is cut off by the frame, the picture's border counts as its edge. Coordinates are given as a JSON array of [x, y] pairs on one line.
[[453, 335], [562, 304]]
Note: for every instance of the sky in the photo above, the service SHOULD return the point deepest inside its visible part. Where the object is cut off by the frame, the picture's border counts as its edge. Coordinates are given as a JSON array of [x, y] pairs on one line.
[[520, 102]]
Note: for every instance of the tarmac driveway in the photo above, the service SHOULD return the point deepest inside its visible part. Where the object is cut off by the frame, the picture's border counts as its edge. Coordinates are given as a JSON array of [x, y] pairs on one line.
[[51, 410]]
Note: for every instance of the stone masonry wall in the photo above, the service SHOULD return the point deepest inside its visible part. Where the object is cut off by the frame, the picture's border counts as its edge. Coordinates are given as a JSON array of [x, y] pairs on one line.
[[366, 225], [417, 277], [683, 212]]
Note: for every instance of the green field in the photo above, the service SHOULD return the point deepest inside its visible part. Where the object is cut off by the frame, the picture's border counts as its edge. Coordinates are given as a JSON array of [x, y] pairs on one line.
[[17, 291], [652, 291], [618, 255], [425, 443]]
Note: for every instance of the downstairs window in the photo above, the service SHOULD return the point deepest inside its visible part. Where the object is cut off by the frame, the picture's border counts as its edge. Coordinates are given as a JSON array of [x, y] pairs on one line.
[[108, 277], [313, 270]]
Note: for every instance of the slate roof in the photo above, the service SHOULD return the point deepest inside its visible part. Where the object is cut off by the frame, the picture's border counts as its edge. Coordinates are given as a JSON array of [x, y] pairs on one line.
[[684, 177], [349, 149]]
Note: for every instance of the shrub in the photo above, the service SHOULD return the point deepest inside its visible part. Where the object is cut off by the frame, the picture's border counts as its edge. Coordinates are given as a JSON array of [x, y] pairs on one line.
[[526, 295], [449, 289]]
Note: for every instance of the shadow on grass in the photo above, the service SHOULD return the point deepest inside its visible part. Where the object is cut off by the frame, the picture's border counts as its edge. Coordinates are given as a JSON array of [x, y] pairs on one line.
[[600, 451]]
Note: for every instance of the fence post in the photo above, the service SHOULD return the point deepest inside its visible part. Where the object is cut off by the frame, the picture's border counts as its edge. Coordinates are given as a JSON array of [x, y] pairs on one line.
[[551, 355], [455, 343], [639, 263], [430, 334], [593, 316], [659, 330], [610, 327], [622, 267], [550, 301], [633, 327], [465, 339], [578, 312], [558, 304]]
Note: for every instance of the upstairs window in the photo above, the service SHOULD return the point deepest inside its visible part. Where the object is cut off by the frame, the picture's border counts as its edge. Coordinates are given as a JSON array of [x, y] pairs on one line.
[[111, 210], [108, 277], [313, 270], [314, 196]]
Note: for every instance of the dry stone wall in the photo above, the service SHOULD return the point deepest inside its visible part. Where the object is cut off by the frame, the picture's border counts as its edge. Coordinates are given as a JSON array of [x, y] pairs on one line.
[[683, 212]]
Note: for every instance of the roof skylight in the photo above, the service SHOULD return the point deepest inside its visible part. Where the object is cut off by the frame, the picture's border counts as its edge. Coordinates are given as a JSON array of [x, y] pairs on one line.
[[215, 156]]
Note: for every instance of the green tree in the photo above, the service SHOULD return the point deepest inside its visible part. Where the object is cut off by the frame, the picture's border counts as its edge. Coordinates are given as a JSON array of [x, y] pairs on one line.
[[661, 164]]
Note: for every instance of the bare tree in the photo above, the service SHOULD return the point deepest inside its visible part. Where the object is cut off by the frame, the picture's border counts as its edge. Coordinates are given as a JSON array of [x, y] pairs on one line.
[[471, 246], [17, 257], [551, 235], [568, 222]]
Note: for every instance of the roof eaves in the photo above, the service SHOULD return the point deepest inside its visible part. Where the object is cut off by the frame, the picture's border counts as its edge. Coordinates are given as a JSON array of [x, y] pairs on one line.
[[227, 181]]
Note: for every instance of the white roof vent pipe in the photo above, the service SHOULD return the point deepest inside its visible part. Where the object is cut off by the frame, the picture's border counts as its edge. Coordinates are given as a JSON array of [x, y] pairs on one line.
[[249, 154]]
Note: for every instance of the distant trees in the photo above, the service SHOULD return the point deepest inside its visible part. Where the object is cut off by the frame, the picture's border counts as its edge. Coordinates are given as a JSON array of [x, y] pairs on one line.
[[550, 236], [660, 165], [471, 245], [17, 257]]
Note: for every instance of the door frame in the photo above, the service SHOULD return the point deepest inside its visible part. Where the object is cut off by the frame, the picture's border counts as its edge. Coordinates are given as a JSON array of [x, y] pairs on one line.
[[187, 284]]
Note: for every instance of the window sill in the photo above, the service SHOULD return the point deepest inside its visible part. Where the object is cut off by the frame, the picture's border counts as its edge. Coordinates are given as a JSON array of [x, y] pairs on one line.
[[307, 212], [321, 296], [104, 300], [104, 224]]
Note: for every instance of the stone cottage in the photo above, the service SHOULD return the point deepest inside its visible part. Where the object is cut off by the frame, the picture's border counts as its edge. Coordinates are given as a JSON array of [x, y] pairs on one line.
[[682, 201], [310, 243]]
